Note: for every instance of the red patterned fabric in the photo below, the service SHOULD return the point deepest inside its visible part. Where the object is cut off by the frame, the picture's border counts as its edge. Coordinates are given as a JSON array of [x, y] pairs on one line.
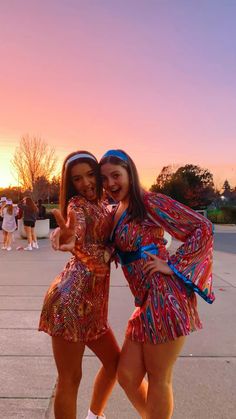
[[169, 308], [193, 260]]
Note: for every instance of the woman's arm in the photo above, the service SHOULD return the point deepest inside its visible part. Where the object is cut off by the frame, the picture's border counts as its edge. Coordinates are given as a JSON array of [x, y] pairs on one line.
[[192, 261]]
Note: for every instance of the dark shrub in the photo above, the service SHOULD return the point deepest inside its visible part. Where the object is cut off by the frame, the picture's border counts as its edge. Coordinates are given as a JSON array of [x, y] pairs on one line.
[[229, 214], [226, 215], [52, 220]]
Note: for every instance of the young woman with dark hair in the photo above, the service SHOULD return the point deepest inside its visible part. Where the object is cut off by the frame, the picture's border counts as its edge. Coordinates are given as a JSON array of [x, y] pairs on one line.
[[163, 285], [76, 305], [30, 212]]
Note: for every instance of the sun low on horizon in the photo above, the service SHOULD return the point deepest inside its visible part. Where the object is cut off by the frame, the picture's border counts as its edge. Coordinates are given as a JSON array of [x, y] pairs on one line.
[[148, 173], [7, 177]]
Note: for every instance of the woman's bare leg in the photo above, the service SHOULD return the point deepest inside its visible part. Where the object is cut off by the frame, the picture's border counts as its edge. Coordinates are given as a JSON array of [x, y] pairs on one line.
[[159, 361], [9, 239], [107, 350], [131, 372], [68, 358], [33, 234], [28, 234], [4, 238]]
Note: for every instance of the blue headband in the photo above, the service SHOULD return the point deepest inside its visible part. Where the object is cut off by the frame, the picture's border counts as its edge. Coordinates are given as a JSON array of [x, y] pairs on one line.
[[116, 153]]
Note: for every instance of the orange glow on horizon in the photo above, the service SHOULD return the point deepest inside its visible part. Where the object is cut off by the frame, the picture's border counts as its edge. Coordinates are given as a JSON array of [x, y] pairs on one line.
[[148, 175]]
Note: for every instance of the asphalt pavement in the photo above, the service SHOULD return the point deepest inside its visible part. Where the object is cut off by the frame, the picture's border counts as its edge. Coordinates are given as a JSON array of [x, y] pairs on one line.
[[205, 373]]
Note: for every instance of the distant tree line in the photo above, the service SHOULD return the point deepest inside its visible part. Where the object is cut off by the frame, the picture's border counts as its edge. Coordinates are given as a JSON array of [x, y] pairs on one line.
[[46, 190], [193, 186], [34, 163]]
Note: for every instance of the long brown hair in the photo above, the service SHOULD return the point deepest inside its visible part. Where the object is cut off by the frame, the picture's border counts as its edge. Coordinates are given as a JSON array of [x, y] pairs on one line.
[[136, 208], [30, 203], [67, 189], [9, 209]]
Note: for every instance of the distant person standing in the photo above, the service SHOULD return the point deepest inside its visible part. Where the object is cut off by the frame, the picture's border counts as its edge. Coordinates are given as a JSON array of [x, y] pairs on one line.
[[41, 210], [9, 213], [30, 213], [3, 200]]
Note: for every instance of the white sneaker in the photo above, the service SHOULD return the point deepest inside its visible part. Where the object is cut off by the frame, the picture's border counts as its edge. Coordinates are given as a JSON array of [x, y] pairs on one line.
[[3, 247], [91, 415], [35, 245], [29, 247], [9, 248]]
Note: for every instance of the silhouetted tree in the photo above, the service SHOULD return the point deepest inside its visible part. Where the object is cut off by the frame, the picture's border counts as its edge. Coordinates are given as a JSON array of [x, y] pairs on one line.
[[33, 158], [163, 180], [190, 184], [54, 189], [226, 186], [12, 192], [226, 189], [41, 188]]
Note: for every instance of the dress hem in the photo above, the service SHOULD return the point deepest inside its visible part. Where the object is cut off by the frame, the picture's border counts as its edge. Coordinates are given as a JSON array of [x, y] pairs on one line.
[[143, 341], [41, 329]]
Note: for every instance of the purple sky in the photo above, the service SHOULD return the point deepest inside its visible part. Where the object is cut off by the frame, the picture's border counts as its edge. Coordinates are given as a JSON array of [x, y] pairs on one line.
[[156, 78]]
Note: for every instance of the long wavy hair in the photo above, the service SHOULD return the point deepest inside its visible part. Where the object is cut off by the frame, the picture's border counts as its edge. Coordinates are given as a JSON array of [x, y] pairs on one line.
[[9, 208], [30, 203], [136, 208], [67, 189]]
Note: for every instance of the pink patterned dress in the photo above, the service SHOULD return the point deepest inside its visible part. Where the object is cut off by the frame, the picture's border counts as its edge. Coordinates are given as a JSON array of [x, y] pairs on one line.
[[166, 304], [76, 304]]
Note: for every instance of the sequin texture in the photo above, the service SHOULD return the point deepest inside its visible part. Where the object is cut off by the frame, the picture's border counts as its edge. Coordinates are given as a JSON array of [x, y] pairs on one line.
[[76, 303]]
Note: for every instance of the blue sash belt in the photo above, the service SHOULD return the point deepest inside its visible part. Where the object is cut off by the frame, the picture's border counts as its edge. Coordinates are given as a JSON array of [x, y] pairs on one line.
[[128, 257]]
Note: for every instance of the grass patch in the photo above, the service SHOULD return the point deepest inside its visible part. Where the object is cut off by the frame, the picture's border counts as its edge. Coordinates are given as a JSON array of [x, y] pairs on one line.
[[225, 215]]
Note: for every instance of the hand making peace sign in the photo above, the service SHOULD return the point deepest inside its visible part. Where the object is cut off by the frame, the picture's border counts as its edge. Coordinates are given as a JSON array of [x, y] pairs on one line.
[[63, 237]]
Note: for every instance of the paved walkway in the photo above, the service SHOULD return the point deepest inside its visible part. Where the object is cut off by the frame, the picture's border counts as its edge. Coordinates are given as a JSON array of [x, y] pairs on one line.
[[205, 374]]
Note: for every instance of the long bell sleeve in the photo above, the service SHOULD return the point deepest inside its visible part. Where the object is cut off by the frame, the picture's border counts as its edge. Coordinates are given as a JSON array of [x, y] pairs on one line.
[[80, 225], [192, 262]]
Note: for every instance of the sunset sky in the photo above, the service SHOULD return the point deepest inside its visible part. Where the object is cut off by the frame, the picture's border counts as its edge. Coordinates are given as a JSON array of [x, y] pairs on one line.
[[156, 78]]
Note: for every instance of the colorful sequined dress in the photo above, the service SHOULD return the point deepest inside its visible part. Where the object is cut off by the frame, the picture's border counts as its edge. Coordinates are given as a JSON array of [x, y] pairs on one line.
[[166, 304], [76, 304]]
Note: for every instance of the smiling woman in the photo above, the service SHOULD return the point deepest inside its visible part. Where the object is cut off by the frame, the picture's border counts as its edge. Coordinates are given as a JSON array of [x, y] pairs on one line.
[[84, 180], [75, 308]]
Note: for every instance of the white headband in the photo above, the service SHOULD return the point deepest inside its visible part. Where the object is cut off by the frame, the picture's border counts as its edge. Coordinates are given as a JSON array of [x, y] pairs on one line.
[[9, 202], [80, 156]]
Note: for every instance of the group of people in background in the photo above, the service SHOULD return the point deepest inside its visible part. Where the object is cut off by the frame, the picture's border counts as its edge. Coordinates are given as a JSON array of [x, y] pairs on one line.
[[25, 209]]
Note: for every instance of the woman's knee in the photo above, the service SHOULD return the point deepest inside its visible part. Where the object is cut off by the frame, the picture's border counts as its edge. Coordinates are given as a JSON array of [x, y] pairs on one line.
[[161, 378], [126, 378], [111, 367], [69, 380], [123, 377]]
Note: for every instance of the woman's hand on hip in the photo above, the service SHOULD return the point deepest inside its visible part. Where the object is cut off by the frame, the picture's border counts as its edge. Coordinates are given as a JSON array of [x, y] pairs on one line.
[[155, 264]]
